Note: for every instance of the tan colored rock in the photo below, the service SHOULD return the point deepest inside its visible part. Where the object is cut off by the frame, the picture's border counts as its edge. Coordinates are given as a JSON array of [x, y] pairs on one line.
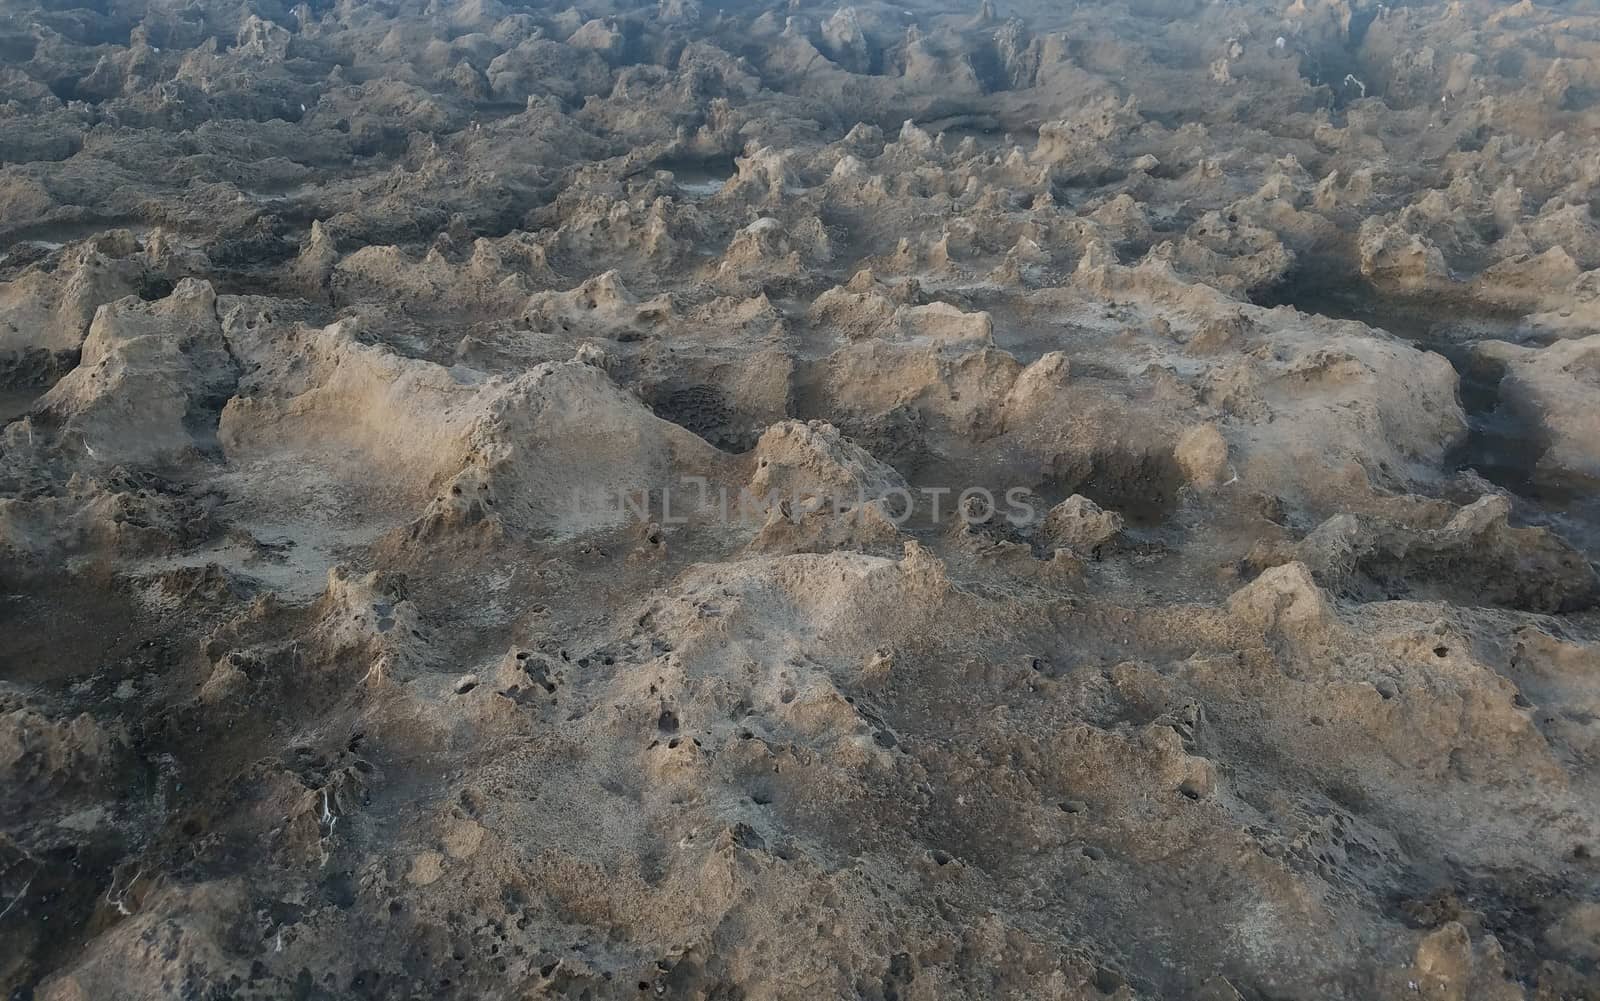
[[1284, 600], [426, 868], [1079, 523], [1577, 932], [1202, 452]]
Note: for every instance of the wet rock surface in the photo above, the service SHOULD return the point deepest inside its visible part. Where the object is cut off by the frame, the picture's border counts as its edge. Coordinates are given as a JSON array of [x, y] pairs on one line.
[[708, 501]]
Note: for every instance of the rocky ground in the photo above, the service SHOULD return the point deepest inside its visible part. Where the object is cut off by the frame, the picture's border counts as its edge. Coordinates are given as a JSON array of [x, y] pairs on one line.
[[468, 488]]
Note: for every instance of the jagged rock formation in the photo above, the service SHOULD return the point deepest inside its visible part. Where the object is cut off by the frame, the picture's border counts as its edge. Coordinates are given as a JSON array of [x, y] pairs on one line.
[[703, 501]]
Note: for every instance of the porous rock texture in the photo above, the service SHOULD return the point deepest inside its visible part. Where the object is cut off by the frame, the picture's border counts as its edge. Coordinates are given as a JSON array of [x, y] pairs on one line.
[[492, 500]]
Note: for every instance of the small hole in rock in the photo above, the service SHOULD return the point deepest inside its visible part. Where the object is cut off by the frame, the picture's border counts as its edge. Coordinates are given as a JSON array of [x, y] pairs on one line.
[[1107, 981]]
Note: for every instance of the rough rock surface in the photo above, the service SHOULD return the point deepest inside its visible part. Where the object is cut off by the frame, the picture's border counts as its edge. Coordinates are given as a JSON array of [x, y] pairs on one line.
[[711, 501]]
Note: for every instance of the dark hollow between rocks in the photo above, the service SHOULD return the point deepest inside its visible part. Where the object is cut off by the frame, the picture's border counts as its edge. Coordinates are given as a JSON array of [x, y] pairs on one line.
[[1501, 445]]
